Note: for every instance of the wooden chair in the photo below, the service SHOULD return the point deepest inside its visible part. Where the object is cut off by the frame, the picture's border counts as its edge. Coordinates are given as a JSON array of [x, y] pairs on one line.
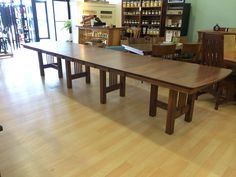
[[158, 39], [164, 51], [143, 40], [213, 49], [213, 55], [183, 39], [190, 52]]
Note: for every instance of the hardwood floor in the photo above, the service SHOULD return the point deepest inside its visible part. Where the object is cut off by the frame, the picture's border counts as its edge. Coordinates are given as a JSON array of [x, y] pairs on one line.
[[51, 131]]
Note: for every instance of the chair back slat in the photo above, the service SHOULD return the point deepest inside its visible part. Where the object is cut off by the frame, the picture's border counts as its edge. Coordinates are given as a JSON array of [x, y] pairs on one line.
[[213, 49]]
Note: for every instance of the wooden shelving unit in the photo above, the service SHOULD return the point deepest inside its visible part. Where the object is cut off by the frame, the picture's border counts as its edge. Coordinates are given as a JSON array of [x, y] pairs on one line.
[[153, 16], [144, 14], [177, 18]]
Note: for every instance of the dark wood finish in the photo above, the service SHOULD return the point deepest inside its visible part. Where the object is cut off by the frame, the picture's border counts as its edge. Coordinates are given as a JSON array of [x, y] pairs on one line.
[[178, 104], [68, 74], [213, 49], [177, 76], [112, 78], [230, 59], [170, 120], [122, 85], [201, 32], [190, 102], [103, 97], [76, 75], [87, 71], [190, 52], [40, 58], [163, 51], [153, 98], [182, 100], [213, 55], [43, 66], [60, 73]]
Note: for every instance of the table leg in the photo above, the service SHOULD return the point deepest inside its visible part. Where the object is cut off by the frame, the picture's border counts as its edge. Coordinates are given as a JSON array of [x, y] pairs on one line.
[[190, 103], [87, 70], [122, 86], [170, 122], [182, 100], [153, 100], [103, 97], [112, 78], [40, 58], [68, 74], [60, 74]]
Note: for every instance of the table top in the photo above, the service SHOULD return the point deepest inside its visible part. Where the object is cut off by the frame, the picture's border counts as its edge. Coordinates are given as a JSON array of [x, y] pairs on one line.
[[145, 49], [180, 76]]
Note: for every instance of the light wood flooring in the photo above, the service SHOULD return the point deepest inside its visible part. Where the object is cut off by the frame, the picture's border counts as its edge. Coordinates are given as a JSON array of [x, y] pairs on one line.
[[52, 131]]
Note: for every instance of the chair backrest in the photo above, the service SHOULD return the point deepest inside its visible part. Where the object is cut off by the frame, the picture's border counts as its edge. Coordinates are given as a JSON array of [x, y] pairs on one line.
[[143, 40], [158, 39], [164, 51], [213, 49], [183, 39], [191, 48]]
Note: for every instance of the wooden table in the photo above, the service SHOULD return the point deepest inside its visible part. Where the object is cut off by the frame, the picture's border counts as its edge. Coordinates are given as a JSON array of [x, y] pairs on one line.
[[182, 79], [230, 59], [144, 49]]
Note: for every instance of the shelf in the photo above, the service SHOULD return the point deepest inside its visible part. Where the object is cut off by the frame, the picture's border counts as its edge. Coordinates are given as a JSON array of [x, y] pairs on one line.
[[172, 15], [88, 37], [150, 25], [130, 7], [131, 15], [151, 7], [176, 4], [151, 15], [152, 34], [173, 28]]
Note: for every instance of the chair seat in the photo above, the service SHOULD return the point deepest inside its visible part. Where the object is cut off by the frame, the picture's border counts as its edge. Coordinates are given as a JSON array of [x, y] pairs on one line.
[[189, 53]]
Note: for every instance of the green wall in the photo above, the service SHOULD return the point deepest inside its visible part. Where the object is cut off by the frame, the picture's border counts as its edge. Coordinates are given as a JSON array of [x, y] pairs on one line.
[[206, 13]]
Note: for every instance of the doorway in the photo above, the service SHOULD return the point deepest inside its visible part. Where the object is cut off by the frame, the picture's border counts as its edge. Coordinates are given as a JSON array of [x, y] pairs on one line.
[[61, 9], [42, 19]]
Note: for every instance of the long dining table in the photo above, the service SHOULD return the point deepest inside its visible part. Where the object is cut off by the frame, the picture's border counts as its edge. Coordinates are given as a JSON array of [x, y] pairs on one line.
[[182, 79]]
